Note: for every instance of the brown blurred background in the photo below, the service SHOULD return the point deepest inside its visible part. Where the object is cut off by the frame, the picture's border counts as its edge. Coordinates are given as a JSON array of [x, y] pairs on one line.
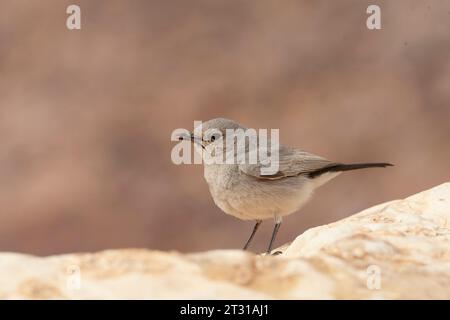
[[86, 116]]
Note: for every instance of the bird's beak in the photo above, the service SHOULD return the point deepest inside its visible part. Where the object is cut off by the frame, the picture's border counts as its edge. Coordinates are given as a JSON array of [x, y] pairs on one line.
[[190, 137], [185, 136]]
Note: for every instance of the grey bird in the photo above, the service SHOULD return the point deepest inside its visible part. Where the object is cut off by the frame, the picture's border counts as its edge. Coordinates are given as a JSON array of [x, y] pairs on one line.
[[241, 190]]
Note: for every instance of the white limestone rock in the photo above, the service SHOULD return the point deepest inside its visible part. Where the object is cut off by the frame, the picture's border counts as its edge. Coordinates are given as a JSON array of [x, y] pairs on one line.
[[396, 250]]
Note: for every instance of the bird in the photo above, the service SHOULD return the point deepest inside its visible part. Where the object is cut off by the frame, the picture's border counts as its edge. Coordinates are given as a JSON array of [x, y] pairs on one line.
[[242, 190]]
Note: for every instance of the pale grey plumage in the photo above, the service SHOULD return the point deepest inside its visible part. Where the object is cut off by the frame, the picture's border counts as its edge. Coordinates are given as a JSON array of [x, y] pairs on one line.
[[292, 162], [243, 191]]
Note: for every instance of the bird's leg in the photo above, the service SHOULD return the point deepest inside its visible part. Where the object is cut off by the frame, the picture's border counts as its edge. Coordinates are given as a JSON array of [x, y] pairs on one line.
[[274, 234], [258, 222]]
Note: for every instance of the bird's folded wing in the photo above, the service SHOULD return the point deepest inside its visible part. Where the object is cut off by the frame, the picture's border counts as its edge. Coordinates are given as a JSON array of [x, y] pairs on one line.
[[292, 162]]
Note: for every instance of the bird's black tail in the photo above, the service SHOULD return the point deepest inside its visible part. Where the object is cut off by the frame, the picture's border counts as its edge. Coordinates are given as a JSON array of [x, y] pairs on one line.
[[337, 167]]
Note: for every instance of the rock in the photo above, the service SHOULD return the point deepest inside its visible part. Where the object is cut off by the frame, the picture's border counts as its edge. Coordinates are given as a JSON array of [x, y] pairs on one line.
[[396, 250]]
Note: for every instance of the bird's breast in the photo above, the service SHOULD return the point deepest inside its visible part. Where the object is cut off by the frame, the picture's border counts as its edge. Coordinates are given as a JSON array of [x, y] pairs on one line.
[[220, 177]]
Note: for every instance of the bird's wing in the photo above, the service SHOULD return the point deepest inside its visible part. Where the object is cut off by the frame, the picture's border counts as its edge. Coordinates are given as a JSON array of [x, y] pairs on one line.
[[292, 162]]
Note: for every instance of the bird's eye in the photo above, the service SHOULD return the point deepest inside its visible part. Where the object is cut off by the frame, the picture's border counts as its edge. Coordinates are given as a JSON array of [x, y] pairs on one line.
[[213, 138]]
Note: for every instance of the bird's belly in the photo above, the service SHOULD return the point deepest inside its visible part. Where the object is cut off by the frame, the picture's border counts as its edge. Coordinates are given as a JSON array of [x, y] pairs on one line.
[[251, 200]]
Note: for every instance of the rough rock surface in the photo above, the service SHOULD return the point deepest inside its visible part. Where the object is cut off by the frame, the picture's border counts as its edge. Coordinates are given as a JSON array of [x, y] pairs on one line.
[[399, 249]]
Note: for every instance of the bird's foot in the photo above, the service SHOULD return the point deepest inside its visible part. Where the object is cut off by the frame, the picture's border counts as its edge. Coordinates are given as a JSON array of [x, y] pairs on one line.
[[276, 253]]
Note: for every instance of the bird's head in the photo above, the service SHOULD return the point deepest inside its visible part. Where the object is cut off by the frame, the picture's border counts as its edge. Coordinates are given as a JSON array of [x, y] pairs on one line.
[[211, 132]]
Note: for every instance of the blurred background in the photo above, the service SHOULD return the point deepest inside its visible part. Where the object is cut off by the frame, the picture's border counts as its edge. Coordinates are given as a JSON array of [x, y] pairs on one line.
[[86, 116]]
